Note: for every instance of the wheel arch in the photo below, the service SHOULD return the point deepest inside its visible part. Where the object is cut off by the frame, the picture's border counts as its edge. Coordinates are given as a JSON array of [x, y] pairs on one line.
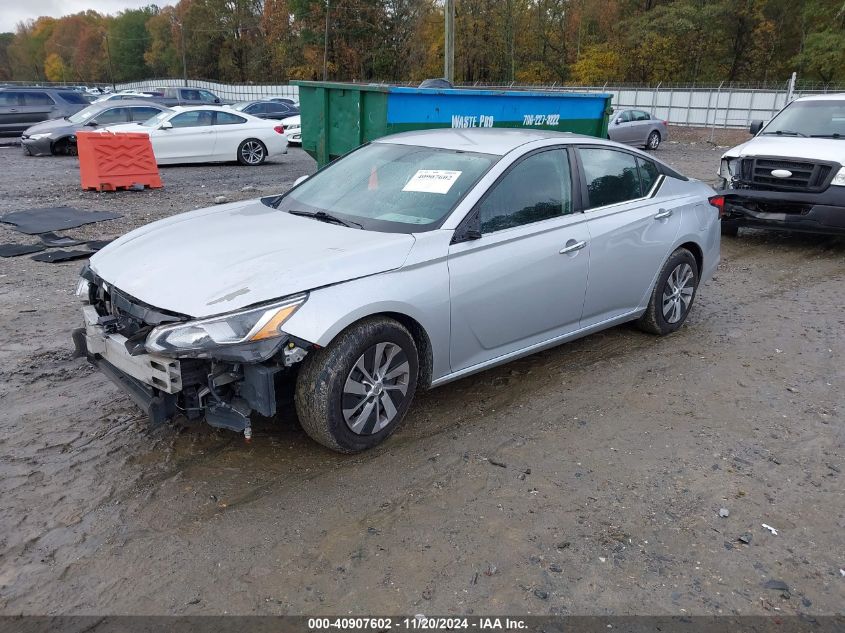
[[420, 335], [696, 251], [57, 141]]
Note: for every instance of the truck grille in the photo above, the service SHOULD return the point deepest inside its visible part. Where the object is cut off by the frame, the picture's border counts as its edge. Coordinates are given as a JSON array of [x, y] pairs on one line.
[[812, 176]]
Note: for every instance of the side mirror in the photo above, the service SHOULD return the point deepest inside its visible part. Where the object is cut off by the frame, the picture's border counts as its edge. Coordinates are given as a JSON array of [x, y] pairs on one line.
[[91, 123], [216, 100], [167, 125], [617, 121], [300, 180], [755, 127]]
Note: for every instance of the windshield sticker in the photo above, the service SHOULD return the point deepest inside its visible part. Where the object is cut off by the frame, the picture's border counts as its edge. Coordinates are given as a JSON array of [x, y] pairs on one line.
[[432, 181]]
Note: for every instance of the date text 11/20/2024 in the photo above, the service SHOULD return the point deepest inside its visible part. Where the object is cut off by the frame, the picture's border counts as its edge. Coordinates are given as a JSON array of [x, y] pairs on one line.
[[486, 120], [418, 622]]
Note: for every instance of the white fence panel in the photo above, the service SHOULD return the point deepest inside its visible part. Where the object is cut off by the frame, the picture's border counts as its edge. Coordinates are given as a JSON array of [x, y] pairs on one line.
[[229, 92]]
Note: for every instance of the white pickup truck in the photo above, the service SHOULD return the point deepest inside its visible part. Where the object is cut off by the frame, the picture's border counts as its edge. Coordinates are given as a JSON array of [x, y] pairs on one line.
[[791, 175]]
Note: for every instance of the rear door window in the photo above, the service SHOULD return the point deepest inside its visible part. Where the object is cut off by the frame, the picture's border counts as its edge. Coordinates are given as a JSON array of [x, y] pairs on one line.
[[639, 115], [73, 97], [37, 99], [648, 175], [612, 176], [227, 118]]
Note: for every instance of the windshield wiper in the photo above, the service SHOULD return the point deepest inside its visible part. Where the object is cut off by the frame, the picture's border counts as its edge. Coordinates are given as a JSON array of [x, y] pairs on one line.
[[787, 133], [322, 216], [834, 135]]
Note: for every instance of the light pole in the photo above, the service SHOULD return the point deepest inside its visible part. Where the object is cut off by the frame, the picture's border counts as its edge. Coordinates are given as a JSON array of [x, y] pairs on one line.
[[184, 65], [326, 43], [449, 43]]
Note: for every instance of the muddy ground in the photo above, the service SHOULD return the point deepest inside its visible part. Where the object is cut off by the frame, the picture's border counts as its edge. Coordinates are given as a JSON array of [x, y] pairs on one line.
[[587, 479]]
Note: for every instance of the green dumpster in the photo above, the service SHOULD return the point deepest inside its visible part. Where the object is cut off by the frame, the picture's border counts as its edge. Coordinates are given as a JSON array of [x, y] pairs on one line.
[[338, 117]]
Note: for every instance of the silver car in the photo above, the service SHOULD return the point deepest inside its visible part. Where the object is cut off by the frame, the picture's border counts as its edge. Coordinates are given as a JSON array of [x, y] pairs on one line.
[[637, 127], [415, 260]]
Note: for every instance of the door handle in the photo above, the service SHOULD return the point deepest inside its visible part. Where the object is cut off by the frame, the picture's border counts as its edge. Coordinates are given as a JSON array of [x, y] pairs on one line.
[[662, 214], [571, 248], [13, 109]]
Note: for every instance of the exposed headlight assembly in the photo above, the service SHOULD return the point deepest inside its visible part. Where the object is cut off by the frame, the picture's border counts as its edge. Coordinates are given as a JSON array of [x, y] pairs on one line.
[[249, 335], [839, 178], [726, 168], [39, 136]]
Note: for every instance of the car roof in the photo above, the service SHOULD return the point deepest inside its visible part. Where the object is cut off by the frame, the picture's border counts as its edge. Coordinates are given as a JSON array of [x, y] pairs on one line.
[[122, 103], [837, 96], [215, 108], [498, 141]]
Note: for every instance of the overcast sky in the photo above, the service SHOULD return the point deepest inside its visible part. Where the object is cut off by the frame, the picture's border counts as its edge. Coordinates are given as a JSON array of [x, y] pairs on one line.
[[14, 11]]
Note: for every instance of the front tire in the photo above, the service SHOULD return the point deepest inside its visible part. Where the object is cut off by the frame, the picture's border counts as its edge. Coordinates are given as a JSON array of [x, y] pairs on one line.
[[252, 152], [672, 296], [653, 140], [351, 395]]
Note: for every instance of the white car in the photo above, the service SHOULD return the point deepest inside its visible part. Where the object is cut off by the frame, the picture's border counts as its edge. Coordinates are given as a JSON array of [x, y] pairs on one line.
[[293, 129], [210, 134]]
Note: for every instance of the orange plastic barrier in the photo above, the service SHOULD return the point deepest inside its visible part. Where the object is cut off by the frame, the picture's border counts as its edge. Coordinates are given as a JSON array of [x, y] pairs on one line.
[[109, 161]]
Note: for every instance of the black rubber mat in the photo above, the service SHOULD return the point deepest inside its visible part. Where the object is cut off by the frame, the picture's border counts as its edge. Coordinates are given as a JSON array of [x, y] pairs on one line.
[[35, 221], [13, 250], [61, 256], [53, 240], [96, 245]]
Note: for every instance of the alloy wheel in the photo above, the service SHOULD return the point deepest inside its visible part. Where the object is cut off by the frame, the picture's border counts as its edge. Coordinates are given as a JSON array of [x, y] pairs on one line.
[[375, 388], [653, 140], [252, 152], [678, 292]]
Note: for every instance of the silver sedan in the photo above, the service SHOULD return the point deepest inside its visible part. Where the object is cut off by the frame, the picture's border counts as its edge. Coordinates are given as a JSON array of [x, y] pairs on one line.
[[415, 260], [637, 127]]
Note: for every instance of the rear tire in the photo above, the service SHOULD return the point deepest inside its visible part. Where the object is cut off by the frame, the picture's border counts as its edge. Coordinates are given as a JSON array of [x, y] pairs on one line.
[[729, 227], [672, 296], [351, 395], [653, 140], [252, 152]]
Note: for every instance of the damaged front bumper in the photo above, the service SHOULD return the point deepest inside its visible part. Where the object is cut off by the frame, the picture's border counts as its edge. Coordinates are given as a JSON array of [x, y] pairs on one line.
[[225, 393], [822, 212]]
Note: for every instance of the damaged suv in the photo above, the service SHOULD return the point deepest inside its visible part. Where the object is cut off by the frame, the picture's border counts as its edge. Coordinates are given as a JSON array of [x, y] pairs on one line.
[[791, 175], [415, 260]]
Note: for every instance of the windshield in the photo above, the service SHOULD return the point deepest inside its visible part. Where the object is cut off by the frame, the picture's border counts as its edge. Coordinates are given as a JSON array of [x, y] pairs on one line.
[[84, 114], [390, 188], [823, 118], [240, 105], [156, 120]]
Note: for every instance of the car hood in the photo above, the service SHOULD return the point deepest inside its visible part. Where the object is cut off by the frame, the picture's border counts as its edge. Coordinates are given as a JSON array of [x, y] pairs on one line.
[[219, 259], [829, 149], [52, 126]]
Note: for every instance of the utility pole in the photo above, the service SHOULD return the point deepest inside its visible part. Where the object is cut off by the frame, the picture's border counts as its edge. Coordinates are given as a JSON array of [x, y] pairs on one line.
[[108, 55], [326, 44], [449, 56], [184, 65]]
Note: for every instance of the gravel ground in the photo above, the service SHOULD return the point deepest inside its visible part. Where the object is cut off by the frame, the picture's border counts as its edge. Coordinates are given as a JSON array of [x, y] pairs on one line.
[[586, 479]]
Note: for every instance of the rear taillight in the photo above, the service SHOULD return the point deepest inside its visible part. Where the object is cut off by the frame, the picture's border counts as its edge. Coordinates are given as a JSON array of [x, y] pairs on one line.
[[279, 129], [719, 203]]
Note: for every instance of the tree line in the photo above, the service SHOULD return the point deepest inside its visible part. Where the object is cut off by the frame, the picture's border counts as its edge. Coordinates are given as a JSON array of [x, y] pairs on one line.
[[497, 41]]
